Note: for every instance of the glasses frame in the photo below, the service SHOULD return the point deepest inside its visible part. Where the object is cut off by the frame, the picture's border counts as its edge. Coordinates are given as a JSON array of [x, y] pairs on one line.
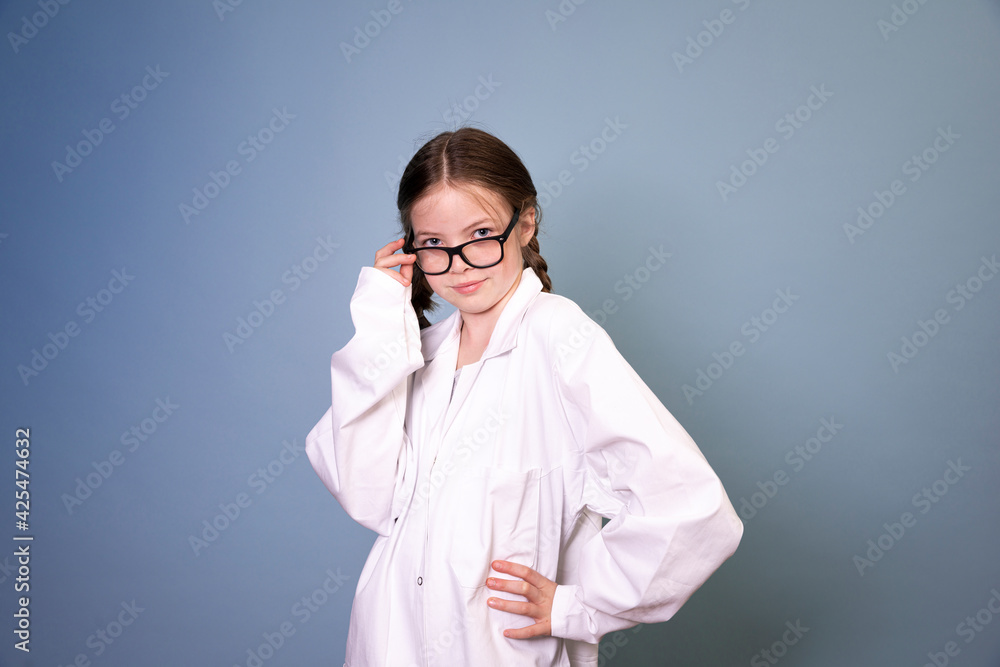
[[457, 250]]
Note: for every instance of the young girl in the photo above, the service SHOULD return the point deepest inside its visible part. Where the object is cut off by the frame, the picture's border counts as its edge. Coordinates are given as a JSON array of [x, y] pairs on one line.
[[485, 449]]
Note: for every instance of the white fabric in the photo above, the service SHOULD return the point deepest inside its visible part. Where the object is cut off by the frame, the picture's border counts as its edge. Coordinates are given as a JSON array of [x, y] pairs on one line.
[[454, 383], [550, 430]]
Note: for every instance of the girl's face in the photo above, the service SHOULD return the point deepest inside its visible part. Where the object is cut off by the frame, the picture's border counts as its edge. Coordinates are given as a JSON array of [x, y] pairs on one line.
[[447, 217]]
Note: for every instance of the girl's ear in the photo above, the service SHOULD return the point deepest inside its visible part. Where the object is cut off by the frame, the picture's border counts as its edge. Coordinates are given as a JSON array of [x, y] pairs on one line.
[[526, 225]]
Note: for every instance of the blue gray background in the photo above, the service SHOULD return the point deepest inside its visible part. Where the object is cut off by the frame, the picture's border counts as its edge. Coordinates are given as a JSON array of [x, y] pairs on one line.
[[547, 77]]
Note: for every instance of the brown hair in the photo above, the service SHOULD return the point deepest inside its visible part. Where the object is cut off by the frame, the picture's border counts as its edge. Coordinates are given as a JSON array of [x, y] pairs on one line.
[[468, 156]]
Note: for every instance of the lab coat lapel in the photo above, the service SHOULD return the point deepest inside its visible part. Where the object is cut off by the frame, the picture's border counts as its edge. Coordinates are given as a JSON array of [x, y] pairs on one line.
[[440, 342], [503, 338]]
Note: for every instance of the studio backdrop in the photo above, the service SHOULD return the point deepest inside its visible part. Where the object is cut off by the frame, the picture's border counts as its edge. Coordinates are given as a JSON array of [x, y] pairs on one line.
[[785, 214]]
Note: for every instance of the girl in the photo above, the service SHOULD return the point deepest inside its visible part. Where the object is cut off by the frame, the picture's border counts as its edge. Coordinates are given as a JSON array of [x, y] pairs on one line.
[[485, 449]]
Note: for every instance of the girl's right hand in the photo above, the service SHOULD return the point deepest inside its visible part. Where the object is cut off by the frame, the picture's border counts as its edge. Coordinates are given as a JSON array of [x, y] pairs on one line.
[[385, 258]]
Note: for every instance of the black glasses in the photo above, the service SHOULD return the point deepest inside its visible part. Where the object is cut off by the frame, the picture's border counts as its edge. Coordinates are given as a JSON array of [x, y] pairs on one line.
[[479, 253]]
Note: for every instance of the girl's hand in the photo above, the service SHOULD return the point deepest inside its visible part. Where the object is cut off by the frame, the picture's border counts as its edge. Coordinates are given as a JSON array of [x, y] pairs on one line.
[[535, 587], [384, 259]]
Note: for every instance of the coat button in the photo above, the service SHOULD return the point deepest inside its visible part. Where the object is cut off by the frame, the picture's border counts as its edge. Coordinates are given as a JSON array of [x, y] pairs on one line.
[[420, 581]]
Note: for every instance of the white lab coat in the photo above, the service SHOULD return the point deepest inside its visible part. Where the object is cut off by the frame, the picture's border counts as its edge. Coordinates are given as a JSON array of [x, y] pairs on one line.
[[549, 431]]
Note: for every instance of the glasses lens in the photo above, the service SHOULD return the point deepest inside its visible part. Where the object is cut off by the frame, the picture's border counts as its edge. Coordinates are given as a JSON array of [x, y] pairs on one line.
[[432, 261], [483, 254]]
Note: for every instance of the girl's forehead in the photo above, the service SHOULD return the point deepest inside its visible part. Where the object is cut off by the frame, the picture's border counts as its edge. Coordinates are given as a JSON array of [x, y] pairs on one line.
[[449, 206]]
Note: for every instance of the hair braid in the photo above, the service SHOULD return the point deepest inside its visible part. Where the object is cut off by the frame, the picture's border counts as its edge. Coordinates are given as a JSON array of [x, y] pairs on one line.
[[534, 259]]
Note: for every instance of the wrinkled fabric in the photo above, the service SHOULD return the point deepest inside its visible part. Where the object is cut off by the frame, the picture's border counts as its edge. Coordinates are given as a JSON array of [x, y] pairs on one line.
[[548, 432]]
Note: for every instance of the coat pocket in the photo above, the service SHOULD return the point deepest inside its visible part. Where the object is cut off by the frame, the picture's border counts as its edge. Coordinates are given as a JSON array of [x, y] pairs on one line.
[[495, 517]]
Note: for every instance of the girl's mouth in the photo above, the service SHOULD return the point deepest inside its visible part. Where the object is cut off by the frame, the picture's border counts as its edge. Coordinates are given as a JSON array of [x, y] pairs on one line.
[[468, 288]]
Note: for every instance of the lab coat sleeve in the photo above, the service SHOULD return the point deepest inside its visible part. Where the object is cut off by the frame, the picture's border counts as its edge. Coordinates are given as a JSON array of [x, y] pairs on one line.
[[671, 523], [358, 447]]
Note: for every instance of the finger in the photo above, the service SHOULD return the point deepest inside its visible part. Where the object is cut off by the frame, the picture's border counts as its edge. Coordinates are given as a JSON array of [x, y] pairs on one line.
[[514, 607], [515, 586], [386, 251], [395, 260], [385, 259], [540, 629], [522, 571], [389, 248]]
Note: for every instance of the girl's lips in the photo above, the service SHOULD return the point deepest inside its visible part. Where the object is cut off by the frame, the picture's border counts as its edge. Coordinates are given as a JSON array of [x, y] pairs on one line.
[[467, 288]]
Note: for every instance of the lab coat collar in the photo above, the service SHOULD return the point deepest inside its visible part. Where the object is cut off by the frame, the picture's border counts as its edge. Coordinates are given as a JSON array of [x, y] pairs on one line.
[[442, 335]]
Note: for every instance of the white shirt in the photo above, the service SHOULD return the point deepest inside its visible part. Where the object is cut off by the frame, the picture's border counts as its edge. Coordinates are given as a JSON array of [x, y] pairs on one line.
[[549, 431]]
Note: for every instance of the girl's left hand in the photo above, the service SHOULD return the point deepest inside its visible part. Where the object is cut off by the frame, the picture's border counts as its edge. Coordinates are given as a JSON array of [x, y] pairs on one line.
[[537, 589]]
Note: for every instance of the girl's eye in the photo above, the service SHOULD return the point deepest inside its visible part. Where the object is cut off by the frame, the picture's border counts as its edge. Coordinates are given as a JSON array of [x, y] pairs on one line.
[[431, 242], [486, 232]]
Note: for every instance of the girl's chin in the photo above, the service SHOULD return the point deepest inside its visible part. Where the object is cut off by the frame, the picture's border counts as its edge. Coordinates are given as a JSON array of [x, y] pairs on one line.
[[473, 303]]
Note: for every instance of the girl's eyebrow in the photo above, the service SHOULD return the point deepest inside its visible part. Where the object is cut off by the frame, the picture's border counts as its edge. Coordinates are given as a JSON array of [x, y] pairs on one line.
[[476, 223]]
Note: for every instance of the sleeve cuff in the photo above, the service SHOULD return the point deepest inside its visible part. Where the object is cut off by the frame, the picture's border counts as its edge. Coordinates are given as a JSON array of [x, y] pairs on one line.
[[569, 619], [376, 277]]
